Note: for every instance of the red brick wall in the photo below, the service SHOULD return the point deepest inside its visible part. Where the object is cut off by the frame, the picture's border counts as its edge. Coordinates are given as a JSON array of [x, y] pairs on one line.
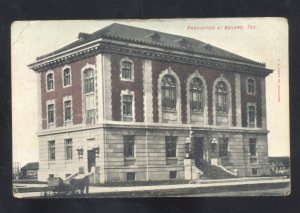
[[251, 98], [59, 92], [183, 71], [118, 85]]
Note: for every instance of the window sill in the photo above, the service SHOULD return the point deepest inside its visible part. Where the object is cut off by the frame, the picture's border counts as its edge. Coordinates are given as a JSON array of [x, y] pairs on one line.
[[128, 80], [67, 86], [172, 158], [51, 126], [170, 110], [89, 93], [129, 161], [68, 123], [52, 90], [129, 158], [197, 112], [127, 118], [222, 113]]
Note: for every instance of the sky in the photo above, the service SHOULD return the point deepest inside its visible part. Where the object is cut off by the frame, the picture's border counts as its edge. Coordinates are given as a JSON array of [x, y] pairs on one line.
[[260, 39]]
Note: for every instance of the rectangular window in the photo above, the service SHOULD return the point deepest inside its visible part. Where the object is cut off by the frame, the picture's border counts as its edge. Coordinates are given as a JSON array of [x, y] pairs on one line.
[[51, 112], [251, 116], [67, 77], [223, 149], [196, 101], [130, 176], [254, 171], [173, 174], [127, 105], [51, 148], [68, 110], [90, 116], [170, 146], [128, 146], [126, 70], [169, 100], [69, 152], [89, 85], [50, 82], [252, 146]]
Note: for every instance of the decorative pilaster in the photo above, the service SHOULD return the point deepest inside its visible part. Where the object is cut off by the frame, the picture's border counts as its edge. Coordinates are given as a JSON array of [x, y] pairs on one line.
[[148, 91], [238, 104], [100, 87], [39, 101], [107, 86], [263, 104]]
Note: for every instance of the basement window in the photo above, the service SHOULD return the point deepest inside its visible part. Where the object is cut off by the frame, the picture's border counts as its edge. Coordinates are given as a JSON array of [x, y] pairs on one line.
[[130, 176], [173, 174], [254, 171]]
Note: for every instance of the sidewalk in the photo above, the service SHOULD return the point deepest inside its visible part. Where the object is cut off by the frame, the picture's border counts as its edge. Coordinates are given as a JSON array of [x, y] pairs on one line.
[[199, 185]]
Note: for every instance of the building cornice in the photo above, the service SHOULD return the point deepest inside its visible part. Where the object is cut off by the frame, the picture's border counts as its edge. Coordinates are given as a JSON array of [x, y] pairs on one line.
[[151, 126], [146, 52]]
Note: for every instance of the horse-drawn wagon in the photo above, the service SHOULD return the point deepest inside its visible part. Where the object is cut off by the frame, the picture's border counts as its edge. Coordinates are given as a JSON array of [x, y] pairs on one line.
[[56, 186]]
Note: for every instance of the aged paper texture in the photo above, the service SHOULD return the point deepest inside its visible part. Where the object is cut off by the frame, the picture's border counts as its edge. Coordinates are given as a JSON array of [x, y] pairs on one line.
[[138, 108]]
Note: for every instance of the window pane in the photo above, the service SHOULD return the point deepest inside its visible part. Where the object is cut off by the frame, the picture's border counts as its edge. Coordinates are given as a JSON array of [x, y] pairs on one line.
[[89, 81], [126, 70], [51, 145], [67, 80], [223, 149], [252, 146], [221, 105], [129, 146], [50, 81], [90, 116], [251, 114], [170, 146], [69, 149], [51, 113], [169, 92], [251, 86], [127, 105], [67, 110]]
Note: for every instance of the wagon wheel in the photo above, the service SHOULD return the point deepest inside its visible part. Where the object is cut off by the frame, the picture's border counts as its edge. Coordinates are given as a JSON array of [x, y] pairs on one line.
[[45, 192]]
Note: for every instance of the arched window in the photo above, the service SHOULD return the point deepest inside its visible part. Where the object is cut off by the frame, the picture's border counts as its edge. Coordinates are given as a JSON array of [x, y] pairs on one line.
[[88, 81], [168, 92], [67, 77], [221, 93], [50, 81], [126, 70], [196, 95], [251, 86]]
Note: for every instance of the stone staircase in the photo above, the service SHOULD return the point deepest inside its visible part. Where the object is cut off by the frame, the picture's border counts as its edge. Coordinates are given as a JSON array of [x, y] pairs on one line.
[[215, 172]]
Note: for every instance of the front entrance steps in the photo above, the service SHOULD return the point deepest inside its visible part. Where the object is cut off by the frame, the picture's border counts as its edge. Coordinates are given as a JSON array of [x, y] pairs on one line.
[[206, 171], [215, 172]]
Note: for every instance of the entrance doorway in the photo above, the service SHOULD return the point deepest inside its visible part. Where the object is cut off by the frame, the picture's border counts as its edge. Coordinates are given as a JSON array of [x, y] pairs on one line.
[[198, 151], [91, 159]]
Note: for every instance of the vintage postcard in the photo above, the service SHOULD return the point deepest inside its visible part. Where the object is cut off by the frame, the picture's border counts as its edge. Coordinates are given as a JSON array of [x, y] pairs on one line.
[[150, 108]]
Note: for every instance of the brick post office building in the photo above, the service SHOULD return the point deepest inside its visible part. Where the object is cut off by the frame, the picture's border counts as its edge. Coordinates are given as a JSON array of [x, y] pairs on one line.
[[132, 103]]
